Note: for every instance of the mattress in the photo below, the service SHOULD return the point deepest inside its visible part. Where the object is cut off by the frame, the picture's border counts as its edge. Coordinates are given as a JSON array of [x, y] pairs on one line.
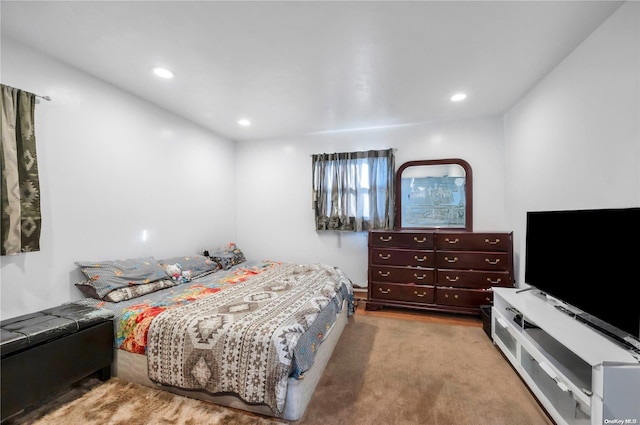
[[293, 313], [132, 367]]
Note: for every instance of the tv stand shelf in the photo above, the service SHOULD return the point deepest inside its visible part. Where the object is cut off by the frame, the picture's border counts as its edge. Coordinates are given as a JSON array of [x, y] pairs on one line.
[[580, 376]]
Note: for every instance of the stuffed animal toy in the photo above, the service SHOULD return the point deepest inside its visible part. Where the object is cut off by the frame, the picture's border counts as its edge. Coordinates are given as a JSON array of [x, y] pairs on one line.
[[186, 274], [173, 270], [177, 274]]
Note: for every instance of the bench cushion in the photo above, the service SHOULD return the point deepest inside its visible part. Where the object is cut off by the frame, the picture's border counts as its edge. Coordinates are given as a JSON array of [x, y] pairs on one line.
[[13, 341], [29, 330]]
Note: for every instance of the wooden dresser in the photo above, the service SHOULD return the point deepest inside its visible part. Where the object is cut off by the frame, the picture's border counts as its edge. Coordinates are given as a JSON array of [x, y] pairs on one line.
[[438, 270]]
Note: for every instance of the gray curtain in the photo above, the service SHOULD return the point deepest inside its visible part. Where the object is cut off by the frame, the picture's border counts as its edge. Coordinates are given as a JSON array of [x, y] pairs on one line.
[[354, 191], [21, 219]]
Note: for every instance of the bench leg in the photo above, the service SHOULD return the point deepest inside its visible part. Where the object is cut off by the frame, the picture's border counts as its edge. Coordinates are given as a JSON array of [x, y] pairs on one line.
[[105, 373]]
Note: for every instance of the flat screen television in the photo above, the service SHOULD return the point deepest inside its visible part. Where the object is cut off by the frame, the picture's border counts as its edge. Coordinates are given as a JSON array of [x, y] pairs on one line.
[[589, 259]]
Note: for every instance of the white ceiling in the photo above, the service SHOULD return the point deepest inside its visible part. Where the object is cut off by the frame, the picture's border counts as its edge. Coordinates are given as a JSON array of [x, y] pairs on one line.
[[299, 67]]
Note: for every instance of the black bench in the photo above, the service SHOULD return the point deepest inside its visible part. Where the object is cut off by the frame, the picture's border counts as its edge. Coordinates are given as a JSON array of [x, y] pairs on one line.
[[49, 350]]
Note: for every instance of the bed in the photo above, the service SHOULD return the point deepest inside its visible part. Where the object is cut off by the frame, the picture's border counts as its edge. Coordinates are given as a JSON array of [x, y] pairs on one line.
[[254, 335]]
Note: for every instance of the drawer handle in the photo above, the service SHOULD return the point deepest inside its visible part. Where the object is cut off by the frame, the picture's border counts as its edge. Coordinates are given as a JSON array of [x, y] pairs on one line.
[[452, 241], [420, 295], [423, 240], [447, 296], [424, 258], [383, 291], [450, 260], [420, 277], [452, 280], [492, 242], [553, 376], [547, 369], [386, 238], [498, 280], [487, 299], [384, 257], [383, 274], [496, 261], [502, 322]]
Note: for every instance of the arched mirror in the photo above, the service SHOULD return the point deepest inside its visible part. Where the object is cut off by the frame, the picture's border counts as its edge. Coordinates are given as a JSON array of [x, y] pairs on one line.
[[434, 194]]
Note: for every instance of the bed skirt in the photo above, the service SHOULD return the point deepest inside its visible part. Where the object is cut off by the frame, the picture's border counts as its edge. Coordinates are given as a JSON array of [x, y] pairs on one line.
[[132, 367]]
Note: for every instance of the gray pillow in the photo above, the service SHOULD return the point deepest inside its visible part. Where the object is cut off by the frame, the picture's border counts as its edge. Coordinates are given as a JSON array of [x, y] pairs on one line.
[[227, 255], [105, 276], [123, 294]]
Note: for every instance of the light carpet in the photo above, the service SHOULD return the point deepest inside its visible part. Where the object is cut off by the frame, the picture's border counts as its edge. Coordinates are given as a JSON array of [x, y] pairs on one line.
[[383, 371]]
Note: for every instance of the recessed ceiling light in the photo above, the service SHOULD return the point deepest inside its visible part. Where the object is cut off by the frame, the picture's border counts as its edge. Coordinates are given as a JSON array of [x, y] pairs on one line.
[[458, 97], [244, 122], [163, 73]]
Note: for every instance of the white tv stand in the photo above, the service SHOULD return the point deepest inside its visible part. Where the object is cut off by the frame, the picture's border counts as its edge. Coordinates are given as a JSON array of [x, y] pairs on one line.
[[580, 376]]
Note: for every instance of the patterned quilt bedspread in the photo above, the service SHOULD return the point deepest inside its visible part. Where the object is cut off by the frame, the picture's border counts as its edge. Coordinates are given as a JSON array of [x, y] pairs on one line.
[[242, 331]]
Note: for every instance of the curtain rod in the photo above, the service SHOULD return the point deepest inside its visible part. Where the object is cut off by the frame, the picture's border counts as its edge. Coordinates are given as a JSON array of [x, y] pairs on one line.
[[393, 149], [47, 98]]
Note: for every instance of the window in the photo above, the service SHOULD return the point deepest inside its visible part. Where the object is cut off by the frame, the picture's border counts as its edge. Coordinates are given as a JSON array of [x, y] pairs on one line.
[[354, 191]]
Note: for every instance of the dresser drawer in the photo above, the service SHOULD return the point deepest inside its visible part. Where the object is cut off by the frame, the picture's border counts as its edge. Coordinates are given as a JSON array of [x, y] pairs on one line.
[[472, 260], [402, 275], [455, 269], [401, 240], [397, 292], [472, 278], [402, 257], [463, 297], [474, 241]]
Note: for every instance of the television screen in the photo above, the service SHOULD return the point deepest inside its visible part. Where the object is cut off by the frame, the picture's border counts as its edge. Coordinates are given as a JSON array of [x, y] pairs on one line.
[[589, 260]]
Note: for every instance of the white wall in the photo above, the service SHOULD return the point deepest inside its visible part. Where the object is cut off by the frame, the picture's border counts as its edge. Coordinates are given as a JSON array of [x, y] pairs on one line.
[[574, 141], [273, 182], [111, 166]]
